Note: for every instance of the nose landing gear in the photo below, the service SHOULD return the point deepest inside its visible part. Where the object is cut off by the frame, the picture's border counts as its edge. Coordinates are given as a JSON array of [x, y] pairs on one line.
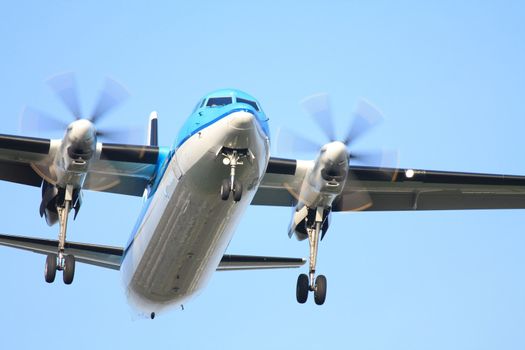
[[61, 261], [232, 158], [309, 283]]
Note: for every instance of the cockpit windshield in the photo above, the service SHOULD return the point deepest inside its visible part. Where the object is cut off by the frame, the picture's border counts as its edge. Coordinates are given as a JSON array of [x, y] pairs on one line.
[[218, 101], [248, 102]]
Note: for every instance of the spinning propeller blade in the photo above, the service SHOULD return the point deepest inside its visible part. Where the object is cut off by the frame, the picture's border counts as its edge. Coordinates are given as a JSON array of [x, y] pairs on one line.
[[366, 117], [130, 135], [290, 141], [381, 158], [32, 120], [112, 95], [319, 108], [65, 87]]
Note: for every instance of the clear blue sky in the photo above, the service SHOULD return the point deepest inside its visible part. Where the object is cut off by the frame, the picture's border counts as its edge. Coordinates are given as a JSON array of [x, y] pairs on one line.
[[450, 79]]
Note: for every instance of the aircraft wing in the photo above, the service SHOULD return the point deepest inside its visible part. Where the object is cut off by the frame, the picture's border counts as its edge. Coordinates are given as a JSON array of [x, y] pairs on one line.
[[111, 257], [99, 255], [413, 189], [379, 189], [116, 168], [282, 179], [21, 157], [124, 169]]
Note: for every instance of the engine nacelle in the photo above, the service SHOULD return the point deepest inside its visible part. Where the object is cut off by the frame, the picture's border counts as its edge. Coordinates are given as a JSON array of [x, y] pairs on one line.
[[322, 184]]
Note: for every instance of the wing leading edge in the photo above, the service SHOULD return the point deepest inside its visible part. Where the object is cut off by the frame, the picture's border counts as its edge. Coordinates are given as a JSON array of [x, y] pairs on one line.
[[398, 189], [111, 257]]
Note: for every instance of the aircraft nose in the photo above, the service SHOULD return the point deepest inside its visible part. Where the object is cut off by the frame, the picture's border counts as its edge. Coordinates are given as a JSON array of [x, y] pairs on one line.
[[241, 120]]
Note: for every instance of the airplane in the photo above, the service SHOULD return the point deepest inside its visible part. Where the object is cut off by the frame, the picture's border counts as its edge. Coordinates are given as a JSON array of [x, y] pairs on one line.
[[195, 191]]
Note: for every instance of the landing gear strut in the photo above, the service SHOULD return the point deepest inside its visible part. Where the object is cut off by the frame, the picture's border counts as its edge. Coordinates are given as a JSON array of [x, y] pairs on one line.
[[309, 283], [61, 261], [232, 185]]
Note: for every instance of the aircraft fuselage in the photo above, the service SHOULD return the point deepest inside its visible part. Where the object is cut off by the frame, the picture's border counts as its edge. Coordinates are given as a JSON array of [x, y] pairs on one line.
[[186, 227]]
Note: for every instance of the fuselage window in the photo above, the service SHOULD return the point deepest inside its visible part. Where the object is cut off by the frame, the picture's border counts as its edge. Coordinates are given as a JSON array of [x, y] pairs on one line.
[[218, 101], [248, 102]]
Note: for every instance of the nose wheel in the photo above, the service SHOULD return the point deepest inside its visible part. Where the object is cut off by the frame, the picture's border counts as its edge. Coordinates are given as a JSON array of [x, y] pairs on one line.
[[61, 261], [232, 185], [310, 283]]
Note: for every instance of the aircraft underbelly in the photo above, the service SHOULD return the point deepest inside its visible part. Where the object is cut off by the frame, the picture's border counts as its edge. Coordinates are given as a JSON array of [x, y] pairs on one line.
[[188, 227]]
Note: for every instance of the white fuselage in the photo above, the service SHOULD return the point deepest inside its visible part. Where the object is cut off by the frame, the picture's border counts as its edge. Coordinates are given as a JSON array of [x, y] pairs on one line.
[[186, 228]]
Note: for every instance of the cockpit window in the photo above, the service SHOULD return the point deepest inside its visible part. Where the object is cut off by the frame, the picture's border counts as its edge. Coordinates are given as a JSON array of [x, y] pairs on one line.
[[218, 101], [248, 102]]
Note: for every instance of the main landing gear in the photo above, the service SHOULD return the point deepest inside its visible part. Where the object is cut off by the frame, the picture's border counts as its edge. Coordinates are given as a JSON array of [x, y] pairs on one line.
[[61, 261], [232, 185], [309, 283]]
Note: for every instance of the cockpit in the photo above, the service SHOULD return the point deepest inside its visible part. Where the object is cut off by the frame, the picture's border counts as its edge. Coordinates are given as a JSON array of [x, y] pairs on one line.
[[219, 101], [221, 104], [213, 102]]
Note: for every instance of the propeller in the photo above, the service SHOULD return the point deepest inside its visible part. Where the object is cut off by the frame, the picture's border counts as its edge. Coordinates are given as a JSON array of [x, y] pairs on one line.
[[364, 119], [64, 86]]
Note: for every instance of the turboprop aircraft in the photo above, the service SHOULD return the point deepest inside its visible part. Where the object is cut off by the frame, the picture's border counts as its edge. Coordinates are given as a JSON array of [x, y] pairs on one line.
[[195, 191]]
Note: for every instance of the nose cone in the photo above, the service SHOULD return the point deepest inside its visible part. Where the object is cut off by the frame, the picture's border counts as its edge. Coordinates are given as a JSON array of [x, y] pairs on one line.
[[85, 126], [336, 152], [338, 147], [241, 120], [81, 129]]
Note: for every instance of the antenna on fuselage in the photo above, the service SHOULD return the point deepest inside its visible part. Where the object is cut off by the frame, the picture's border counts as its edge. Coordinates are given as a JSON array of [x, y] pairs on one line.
[[153, 137]]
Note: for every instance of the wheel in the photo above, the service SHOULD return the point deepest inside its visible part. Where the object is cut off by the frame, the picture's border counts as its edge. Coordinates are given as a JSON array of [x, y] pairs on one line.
[[225, 189], [50, 270], [237, 191], [320, 290], [69, 269], [302, 288]]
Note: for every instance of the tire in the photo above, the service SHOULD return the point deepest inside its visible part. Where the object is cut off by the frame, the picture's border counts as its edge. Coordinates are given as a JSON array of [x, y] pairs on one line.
[[225, 189], [237, 191], [69, 269], [50, 270], [320, 290], [302, 288]]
